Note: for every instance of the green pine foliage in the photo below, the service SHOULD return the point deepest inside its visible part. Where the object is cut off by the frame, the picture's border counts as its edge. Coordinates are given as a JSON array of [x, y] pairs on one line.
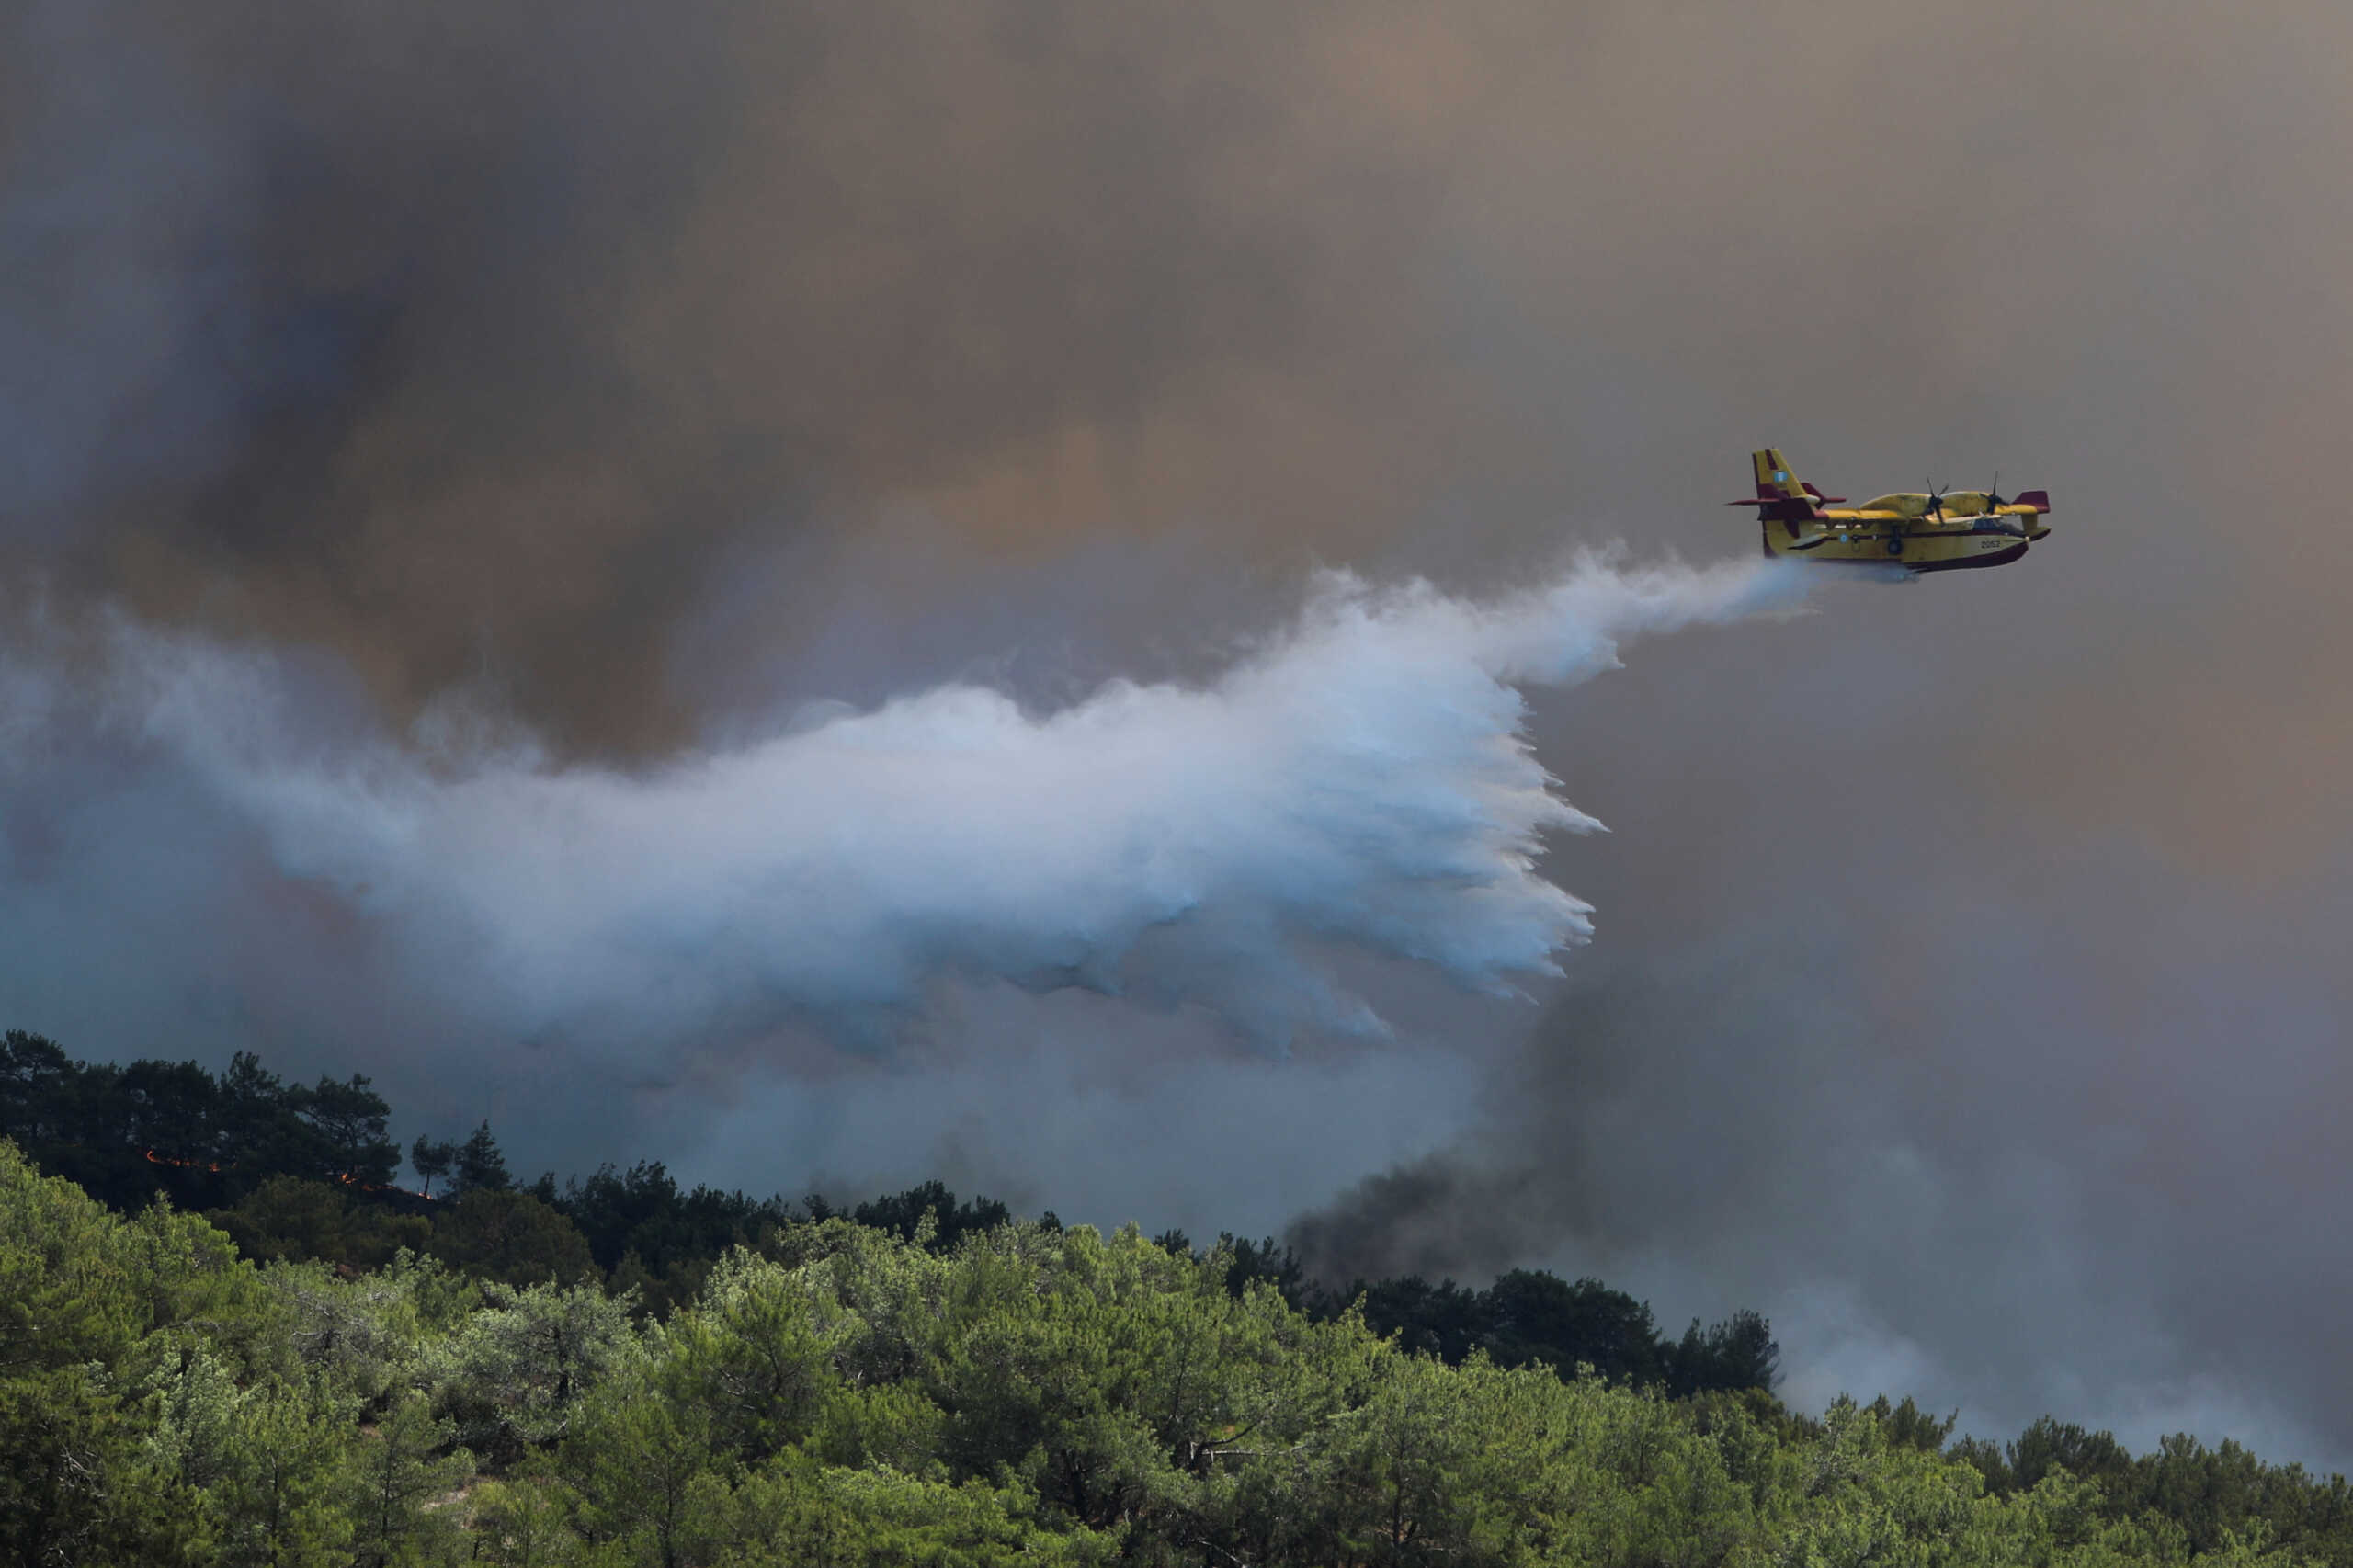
[[844, 1394], [124, 1133], [618, 1373]]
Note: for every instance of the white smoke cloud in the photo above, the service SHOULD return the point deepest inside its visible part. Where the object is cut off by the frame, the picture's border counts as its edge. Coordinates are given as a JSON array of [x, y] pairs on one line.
[[1361, 779]]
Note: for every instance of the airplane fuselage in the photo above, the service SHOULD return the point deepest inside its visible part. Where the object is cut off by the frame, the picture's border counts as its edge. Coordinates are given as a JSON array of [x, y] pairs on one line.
[[1957, 544]]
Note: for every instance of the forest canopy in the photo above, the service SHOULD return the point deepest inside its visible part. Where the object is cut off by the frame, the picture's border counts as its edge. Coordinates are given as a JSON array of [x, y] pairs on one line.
[[325, 1370]]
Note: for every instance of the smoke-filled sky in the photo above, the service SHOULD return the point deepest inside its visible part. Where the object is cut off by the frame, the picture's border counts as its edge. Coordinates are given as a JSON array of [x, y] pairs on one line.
[[757, 587]]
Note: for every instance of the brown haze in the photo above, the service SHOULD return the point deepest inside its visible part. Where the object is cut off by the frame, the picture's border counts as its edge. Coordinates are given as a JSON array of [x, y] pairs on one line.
[[1970, 978]]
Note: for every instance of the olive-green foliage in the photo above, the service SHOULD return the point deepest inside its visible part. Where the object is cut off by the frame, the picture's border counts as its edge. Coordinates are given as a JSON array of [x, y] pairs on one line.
[[755, 1356], [842, 1395], [64, 1432], [369, 1334], [66, 1297], [162, 1402], [124, 1133], [795, 1512], [291, 1218], [261, 1472], [1527, 1317], [511, 1237], [514, 1374], [142, 1416], [407, 1473], [487, 1231], [522, 1521], [652, 1236]]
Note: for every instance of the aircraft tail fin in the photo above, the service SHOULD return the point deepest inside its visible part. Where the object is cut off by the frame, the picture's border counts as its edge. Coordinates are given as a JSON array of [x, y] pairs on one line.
[[1774, 479], [1783, 500]]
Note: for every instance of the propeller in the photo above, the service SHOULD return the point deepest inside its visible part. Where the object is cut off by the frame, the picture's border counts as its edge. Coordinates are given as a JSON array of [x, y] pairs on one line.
[[1994, 504], [1936, 501]]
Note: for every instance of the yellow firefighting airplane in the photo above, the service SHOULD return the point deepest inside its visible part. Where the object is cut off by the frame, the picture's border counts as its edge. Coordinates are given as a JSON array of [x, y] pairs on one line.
[[1931, 532]]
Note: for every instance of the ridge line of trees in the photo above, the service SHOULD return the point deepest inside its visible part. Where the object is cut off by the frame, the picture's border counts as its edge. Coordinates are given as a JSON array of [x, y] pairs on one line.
[[840, 1395], [328, 1374], [297, 1173]]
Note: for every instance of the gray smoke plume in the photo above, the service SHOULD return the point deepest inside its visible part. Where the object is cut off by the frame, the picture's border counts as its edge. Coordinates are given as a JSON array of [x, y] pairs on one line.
[[1360, 780], [2015, 1157], [491, 345]]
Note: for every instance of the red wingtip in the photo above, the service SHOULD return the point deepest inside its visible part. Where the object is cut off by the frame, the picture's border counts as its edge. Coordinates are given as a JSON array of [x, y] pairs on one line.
[[2038, 499]]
